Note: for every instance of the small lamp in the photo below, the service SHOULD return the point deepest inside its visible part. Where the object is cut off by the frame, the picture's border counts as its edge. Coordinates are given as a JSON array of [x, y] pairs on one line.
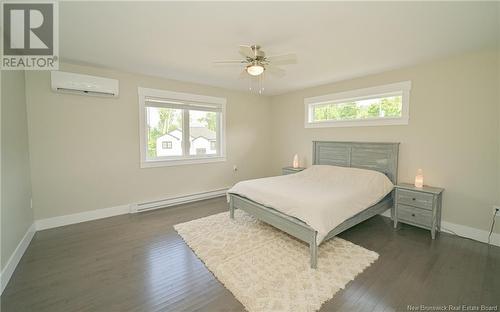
[[295, 163], [419, 178]]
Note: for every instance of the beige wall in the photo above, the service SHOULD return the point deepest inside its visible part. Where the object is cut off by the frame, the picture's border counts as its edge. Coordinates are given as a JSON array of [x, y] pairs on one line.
[[453, 130], [498, 99], [85, 150], [16, 213]]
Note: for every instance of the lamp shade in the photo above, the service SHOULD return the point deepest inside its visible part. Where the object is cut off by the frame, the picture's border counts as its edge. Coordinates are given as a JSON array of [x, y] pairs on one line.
[[419, 178], [295, 163]]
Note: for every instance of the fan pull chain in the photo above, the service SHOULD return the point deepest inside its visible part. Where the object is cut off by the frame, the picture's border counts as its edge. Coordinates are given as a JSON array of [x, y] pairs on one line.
[[256, 84]]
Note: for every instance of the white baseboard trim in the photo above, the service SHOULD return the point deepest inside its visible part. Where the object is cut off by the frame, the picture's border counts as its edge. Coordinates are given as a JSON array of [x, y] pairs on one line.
[[50, 223], [16, 256], [167, 202], [54, 222], [463, 231], [470, 232]]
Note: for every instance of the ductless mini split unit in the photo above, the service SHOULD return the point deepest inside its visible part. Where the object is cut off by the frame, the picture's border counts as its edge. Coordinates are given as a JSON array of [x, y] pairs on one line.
[[83, 84]]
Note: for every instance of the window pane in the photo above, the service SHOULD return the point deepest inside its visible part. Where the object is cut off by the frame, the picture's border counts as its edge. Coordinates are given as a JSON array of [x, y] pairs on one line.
[[164, 131], [384, 107], [203, 134]]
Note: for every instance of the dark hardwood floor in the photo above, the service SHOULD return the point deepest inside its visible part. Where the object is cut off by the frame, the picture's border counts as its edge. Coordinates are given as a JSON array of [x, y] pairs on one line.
[[139, 263]]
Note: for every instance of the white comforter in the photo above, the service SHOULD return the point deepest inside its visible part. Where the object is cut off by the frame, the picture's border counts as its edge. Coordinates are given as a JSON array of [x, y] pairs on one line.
[[321, 196]]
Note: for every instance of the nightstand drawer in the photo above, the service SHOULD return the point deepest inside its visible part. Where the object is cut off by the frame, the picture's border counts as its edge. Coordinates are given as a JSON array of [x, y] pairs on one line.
[[416, 199], [414, 215]]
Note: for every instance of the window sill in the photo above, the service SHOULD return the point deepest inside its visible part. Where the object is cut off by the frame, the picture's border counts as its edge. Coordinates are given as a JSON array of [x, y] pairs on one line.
[[358, 123], [181, 162]]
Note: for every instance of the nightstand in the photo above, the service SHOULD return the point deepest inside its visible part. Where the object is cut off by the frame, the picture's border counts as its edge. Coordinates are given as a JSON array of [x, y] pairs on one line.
[[418, 206], [290, 170]]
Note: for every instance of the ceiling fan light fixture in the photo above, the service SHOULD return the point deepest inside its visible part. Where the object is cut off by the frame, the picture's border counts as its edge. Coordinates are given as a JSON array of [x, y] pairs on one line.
[[255, 69], [256, 63]]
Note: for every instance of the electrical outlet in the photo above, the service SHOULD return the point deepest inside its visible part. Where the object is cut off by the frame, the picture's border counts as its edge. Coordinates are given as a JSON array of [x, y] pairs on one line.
[[496, 211]]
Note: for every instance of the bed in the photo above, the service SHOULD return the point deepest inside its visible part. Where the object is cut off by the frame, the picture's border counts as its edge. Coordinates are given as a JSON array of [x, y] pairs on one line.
[[380, 157]]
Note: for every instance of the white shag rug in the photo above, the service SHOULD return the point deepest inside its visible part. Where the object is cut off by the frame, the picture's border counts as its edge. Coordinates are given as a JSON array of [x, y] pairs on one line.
[[268, 270]]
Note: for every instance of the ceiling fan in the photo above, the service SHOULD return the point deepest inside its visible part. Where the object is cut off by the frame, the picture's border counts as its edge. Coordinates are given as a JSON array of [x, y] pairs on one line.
[[256, 62]]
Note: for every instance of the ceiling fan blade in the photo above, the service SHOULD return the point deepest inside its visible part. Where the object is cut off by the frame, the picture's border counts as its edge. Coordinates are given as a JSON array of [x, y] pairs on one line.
[[283, 59], [229, 62], [276, 71], [247, 51]]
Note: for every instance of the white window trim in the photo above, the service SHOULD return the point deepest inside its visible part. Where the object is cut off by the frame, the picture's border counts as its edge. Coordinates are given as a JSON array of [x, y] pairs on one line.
[[384, 90], [185, 160]]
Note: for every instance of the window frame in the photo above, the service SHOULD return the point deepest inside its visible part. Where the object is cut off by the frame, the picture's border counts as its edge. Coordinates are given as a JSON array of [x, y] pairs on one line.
[[186, 101], [400, 88]]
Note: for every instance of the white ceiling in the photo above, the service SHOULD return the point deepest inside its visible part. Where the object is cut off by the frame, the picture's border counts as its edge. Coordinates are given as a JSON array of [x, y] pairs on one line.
[[333, 41]]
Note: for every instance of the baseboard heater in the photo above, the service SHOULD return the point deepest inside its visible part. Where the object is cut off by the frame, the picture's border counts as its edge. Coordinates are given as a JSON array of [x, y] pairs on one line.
[[172, 201]]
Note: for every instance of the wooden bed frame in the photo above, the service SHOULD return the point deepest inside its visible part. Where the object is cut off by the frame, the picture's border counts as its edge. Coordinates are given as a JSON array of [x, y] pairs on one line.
[[381, 157]]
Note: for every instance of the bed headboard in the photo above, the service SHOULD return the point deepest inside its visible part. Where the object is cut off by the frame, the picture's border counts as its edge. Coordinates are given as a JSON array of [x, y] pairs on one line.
[[381, 157]]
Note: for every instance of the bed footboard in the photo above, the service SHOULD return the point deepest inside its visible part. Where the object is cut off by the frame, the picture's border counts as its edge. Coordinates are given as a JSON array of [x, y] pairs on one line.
[[286, 223], [299, 229]]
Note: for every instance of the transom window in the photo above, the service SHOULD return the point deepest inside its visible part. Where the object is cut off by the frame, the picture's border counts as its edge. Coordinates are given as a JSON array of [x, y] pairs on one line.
[[180, 128], [382, 105]]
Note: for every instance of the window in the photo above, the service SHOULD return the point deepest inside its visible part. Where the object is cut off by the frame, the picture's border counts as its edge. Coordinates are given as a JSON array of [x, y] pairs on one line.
[[180, 128], [376, 106], [166, 144]]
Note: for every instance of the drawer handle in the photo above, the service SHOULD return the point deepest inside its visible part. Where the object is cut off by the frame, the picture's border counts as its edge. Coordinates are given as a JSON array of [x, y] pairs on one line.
[[413, 198], [412, 214]]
